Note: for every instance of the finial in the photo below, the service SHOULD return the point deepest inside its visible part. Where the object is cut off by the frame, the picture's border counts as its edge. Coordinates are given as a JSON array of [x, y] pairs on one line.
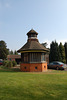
[[31, 28]]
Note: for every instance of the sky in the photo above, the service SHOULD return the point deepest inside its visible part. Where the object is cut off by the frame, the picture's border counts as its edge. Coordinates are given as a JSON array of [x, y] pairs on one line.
[[47, 17]]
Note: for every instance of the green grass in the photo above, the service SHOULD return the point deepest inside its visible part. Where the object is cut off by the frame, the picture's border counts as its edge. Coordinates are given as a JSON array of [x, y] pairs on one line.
[[50, 85]]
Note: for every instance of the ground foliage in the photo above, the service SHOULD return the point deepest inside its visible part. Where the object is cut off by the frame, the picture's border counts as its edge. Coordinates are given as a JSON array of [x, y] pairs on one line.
[[50, 85], [9, 64]]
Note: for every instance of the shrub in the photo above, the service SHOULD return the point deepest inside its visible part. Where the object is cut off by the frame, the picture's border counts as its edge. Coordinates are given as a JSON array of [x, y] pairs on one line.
[[10, 64], [14, 63], [7, 63]]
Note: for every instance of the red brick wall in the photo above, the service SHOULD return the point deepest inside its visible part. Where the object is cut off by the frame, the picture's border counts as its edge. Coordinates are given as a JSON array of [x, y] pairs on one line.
[[40, 67], [22, 67], [44, 66], [11, 59], [33, 65]]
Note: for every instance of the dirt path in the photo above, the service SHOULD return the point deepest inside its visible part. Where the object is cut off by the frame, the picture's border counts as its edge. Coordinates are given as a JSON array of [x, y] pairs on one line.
[[65, 69]]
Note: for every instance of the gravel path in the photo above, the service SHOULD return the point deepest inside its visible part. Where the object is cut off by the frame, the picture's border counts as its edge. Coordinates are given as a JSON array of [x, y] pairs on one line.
[[65, 69]]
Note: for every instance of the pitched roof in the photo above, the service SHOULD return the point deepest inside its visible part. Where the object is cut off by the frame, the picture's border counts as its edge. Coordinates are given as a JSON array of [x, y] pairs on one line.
[[32, 31], [13, 56], [32, 45]]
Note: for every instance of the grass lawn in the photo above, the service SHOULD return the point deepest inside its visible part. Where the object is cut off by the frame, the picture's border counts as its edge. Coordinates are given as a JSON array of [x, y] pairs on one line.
[[50, 85]]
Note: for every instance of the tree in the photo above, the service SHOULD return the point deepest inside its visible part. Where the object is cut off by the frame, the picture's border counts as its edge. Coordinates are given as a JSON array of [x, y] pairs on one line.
[[44, 44], [62, 52], [54, 52], [11, 52], [65, 46], [15, 52], [3, 50]]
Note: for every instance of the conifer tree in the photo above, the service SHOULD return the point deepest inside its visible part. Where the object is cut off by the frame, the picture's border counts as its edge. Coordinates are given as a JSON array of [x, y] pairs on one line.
[[11, 52], [15, 52], [54, 52], [44, 44], [3, 50], [62, 52], [65, 46]]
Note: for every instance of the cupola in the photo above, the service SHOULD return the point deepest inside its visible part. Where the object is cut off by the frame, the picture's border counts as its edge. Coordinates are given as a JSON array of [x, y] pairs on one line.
[[32, 35]]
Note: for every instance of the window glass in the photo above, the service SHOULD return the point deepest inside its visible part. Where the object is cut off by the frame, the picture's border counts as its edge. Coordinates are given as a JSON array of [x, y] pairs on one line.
[[35, 67], [10, 59], [51, 63], [25, 67], [25, 57], [43, 57]]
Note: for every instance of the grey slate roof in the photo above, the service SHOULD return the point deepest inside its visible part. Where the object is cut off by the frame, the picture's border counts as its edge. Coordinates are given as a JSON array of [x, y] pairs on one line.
[[32, 45]]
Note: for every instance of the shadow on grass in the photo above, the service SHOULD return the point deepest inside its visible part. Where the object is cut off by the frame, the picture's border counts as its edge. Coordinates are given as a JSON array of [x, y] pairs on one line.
[[17, 69], [5, 69]]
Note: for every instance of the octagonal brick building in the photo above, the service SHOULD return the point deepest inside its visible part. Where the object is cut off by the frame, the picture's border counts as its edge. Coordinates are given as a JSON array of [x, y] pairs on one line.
[[33, 54]]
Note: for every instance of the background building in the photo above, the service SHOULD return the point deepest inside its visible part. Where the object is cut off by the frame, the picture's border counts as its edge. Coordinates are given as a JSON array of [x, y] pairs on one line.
[[16, 58]]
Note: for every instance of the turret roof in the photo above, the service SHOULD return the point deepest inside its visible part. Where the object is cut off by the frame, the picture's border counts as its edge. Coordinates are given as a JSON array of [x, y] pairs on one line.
[[33, 45], [32, 31]]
